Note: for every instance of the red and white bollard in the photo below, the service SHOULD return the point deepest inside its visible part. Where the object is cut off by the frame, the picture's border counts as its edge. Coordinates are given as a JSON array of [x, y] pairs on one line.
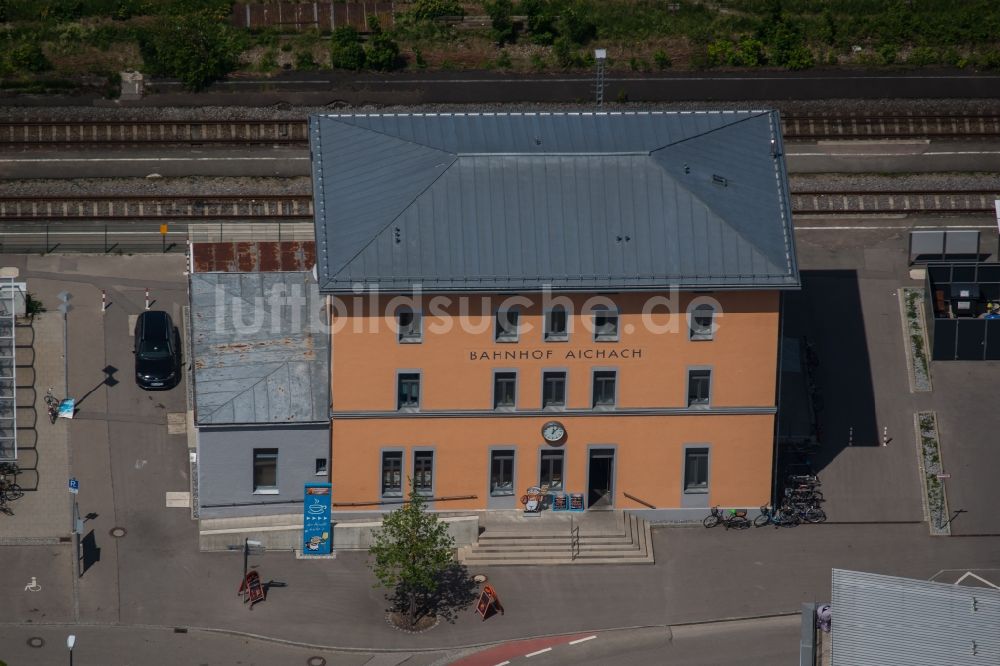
[[147, 298], [104, 301]]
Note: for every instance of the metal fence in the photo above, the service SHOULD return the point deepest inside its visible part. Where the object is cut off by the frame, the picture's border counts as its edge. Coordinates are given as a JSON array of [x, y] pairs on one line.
[[324, 16], [141, 237]]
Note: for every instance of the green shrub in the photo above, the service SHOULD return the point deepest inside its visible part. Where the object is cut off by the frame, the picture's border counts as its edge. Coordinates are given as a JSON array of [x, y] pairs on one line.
[[800, 58], [304, 60], [424, 10], [503, 60], [540, 20], [748, 53], [382, 53], [719, 52], [538, 61], [268, 61], [887, 54], [418, 58], [500, 13], [662, 60], [988, 60], [922, 56], [577, 25], [346, 51], [196, 48], [28, 56]]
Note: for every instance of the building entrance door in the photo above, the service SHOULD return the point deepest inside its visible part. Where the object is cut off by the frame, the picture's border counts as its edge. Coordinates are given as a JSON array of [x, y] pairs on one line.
[[600, 478]]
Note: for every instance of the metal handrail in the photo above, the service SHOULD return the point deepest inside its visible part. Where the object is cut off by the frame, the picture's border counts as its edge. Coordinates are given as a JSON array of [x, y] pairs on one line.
[[404, 501], [636, 499]]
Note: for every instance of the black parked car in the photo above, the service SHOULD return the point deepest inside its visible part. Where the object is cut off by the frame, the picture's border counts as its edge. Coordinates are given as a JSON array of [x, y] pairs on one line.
[[157, 352]]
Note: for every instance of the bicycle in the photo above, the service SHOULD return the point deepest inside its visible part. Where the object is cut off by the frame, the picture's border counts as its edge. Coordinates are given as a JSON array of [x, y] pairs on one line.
[[777, 516], [9, 469], [10, 492], [731, 518], [804, 495], [52, 405], [806, 513]]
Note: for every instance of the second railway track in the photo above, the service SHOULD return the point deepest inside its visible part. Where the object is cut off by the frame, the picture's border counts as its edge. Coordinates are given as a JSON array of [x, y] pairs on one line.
[[292, 208], [36, 134]]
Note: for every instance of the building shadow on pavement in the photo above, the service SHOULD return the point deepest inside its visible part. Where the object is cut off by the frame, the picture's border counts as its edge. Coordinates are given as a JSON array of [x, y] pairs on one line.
[[826, 319]]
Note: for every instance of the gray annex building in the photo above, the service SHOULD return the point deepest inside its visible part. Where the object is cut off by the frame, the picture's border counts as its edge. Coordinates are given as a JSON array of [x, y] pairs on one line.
[[884, 620], [261, 390]]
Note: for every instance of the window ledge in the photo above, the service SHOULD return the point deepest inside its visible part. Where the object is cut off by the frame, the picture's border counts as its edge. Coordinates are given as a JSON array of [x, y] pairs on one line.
[[557, 338], [607, 338], [410, 341], [702, 491], [266, 491]]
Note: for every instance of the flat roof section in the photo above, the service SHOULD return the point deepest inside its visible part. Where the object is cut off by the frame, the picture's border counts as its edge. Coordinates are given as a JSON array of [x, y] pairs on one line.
[[571, 201], [261, 349], [249, 257]]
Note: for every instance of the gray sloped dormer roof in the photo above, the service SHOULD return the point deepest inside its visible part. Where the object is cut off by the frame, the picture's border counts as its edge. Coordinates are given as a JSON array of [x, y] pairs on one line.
[[260, 350], [575, 201]]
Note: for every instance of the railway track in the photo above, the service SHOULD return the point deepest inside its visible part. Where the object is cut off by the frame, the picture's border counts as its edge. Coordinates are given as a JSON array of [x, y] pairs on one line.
[[295, 132], [291, 208], [109, 209], [875, 203], [154, 132]]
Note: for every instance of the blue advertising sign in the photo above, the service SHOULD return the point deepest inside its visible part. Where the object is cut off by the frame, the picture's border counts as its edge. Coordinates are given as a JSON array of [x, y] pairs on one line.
[[316, 525]]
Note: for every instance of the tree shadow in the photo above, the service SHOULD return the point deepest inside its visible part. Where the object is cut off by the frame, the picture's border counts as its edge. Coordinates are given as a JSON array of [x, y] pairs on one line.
[[456, 592]]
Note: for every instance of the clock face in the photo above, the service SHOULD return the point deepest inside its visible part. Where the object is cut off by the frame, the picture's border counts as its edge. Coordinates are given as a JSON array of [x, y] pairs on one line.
[[553, 431]]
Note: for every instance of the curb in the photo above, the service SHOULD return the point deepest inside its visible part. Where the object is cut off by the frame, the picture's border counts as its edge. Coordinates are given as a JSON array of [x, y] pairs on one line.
[[373, 650]]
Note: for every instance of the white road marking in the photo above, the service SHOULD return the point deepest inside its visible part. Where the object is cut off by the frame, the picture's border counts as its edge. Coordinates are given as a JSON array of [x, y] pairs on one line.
[[503, 663], [583, 640], [33, 586], [542, 651], [152, 159], [980, 579]]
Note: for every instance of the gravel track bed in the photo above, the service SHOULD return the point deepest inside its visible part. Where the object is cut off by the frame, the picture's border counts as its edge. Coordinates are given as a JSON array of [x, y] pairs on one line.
[[918, 182], [189, 186], [283, 111], [302, 185]]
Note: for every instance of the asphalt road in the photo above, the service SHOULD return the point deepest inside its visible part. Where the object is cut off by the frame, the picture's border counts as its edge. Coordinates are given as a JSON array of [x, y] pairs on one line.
[[890, 156], [482, 87], [763, 642]]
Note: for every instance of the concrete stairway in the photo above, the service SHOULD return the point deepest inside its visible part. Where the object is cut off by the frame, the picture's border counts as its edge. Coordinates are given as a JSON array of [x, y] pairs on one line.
[[607, 537]]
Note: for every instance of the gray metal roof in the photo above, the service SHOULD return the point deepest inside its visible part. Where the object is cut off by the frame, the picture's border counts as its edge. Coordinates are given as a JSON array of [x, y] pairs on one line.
[[880, 620], [261, 354], [584, 201]]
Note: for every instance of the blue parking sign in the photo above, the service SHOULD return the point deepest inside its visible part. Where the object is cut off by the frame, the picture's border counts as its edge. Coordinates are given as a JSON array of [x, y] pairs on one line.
[[74, 486]]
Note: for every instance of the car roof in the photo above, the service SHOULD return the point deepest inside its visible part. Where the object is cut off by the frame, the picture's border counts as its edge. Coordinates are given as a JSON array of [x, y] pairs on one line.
[[154, 323]]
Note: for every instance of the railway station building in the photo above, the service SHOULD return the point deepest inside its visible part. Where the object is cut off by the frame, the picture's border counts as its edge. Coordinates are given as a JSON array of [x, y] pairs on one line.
[[588, 303]]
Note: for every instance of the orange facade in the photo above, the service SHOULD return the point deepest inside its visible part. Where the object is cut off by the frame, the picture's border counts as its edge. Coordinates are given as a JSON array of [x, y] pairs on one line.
[[643, 431]]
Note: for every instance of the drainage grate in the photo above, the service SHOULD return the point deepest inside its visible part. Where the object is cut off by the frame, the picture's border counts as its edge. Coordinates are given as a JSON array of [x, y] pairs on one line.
[[36, 642], [118, 532], [316, 661], [180, 630]]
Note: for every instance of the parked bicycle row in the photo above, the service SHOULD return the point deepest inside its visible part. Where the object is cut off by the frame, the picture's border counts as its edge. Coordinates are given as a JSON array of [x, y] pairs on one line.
[[9, 490], [789, 513], [800, 502]]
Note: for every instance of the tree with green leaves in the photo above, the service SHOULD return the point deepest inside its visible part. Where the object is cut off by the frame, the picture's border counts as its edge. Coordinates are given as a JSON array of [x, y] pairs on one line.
[[411, 552], [346, 51], [197, 49], [382, 52], [501, 14]]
